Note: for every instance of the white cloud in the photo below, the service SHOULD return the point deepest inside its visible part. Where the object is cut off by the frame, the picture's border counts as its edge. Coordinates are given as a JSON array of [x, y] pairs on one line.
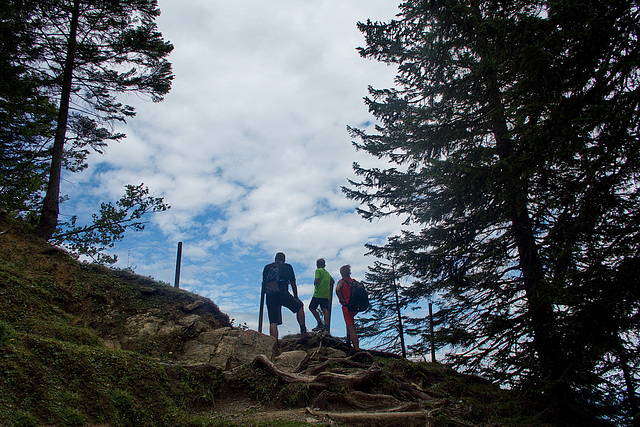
[[250, 147]]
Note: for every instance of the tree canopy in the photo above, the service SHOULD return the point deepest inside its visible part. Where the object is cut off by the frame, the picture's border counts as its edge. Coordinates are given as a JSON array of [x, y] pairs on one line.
[[65, 64], [86, 53], [512, 137], [26, 114]]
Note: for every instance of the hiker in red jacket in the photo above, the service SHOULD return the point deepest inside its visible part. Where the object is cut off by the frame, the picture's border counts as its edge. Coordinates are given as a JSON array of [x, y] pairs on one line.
[[343, 291]]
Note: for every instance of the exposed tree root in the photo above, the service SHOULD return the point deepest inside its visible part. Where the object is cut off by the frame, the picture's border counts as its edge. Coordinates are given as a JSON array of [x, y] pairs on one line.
[[329, 379], [315, 370], [364, 401], [322, 379], [261, 361], [370, 419], [388, 419], [351, 384]]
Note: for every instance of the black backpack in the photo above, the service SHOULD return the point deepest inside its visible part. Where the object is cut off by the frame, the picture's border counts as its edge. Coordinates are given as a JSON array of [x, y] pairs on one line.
[[359, 300], [272, 281]]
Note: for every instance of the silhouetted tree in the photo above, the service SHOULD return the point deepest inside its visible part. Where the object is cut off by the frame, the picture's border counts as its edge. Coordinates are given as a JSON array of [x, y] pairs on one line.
[[514, 130], [91, 51], [26, 113]]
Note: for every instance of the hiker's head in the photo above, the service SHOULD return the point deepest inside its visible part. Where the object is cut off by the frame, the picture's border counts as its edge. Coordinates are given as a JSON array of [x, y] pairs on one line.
[[280, 257], [345, 271], [320, 263]]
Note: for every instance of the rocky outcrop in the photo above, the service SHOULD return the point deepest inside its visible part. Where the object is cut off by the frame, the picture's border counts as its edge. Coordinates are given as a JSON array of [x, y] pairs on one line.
[[227, 348], [190, 339]]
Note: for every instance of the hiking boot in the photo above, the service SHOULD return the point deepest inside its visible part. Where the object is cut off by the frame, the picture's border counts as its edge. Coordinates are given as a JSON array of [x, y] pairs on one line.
[[318, 328], [303, 330]]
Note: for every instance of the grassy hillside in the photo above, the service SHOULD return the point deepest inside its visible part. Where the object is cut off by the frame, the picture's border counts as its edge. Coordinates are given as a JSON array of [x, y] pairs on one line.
[[69, 356], [54, 316]]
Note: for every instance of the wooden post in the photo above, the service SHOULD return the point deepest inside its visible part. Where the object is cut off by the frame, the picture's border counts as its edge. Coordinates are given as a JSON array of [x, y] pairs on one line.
[[178, 262], [261, 309], [433, 349], [328, 323]]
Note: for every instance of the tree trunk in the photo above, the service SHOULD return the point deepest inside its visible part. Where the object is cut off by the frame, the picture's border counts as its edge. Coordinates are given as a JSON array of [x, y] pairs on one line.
[[546, 342], [629, 382], [539, 297], [399, 314], [50, 207]]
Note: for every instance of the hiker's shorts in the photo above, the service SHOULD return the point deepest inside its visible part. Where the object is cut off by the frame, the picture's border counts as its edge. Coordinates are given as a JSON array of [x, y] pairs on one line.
[[348, 316], [276, 301], [322, 302]]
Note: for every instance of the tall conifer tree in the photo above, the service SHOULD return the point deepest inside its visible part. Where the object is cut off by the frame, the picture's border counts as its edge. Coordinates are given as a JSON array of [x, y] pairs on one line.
[[513, 128], [91, 51]]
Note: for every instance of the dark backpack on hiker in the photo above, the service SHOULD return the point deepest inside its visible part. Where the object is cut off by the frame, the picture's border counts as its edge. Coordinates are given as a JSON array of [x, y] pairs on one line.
[[272, 281], [359, 300]]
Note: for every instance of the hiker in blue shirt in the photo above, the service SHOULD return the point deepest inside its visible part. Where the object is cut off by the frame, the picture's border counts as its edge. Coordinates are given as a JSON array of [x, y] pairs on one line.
[[276, 278]]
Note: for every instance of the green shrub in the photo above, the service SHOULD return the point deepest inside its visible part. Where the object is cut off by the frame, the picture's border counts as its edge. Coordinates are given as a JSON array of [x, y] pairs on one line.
[[24, 419], [73, 417], [5, 333]]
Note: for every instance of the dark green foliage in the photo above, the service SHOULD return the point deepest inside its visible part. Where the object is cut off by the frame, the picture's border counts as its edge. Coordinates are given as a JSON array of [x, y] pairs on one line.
[[26, 113], [64, 63], [109, 48], [78, 56], [112, 386], [5, 332], [514, 134]]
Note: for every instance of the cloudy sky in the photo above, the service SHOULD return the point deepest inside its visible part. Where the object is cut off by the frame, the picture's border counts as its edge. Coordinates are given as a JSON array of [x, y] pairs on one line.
[[249, 148]]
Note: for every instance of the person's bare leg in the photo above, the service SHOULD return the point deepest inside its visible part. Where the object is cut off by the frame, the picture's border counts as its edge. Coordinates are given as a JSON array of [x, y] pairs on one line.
[[301, 321], [351, 331], [327, 321], [316, 315], [273, 330]]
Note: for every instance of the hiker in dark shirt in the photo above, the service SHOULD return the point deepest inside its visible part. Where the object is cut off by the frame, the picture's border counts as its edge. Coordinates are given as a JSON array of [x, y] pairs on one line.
[[277, 298]]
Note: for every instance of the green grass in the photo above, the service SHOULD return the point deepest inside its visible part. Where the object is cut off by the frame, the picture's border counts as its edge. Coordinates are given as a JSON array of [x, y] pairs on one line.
[[54, 367], [62, 383]]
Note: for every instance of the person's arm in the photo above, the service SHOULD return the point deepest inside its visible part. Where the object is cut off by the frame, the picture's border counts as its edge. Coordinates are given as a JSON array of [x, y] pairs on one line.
[[339, 291], [292, 280]]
